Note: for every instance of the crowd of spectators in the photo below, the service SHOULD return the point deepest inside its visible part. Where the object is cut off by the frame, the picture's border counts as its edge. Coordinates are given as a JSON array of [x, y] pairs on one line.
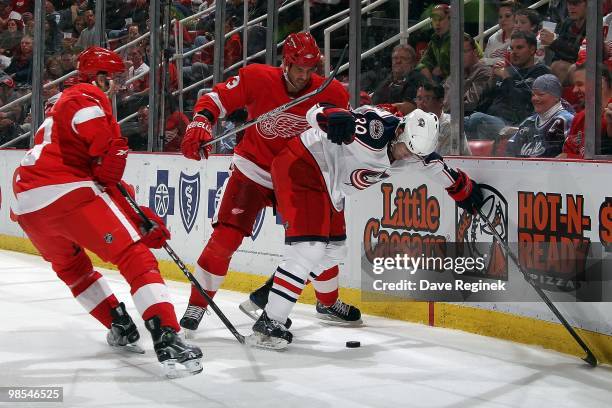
[[523, 92]]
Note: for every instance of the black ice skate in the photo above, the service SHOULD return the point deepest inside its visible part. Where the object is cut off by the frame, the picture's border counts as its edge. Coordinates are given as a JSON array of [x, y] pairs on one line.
[[123, 333], [339, 313], [179, 359], [269, 334], [191, 320], [257, 301]]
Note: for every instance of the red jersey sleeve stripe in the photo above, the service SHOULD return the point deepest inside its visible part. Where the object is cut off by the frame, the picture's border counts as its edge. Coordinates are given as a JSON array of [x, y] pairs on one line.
[[86, 114]]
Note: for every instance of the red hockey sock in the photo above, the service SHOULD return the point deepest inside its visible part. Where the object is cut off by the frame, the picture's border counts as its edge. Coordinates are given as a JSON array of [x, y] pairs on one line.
[[326, 286]]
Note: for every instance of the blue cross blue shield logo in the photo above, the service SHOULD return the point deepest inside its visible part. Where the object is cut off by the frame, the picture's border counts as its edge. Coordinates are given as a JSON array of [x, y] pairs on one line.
[[189, 199], [161, 197]]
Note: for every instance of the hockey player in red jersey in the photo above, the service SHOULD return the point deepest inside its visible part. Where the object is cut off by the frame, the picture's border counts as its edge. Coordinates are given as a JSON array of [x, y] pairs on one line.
[[67, 201], [314, 174], [259, 88]]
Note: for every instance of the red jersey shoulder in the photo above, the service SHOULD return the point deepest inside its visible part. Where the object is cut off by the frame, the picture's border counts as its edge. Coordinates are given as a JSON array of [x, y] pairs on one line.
[[260, 73], [334, 94], [83, 95]]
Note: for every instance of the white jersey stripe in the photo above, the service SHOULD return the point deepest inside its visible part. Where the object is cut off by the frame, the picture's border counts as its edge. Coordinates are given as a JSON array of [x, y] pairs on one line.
[[121, 217], [86, 114], [33, 200], [253, 171], [215, 98]]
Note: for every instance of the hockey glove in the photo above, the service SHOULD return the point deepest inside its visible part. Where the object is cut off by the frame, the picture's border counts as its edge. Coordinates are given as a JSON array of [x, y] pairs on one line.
[[339, 124], [466, 193], [110, 166], [199, 131], [156, 236]]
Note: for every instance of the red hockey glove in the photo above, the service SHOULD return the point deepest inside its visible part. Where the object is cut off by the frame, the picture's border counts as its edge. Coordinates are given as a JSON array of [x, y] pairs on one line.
[[466, 193], [111, 165], [199, 131], [391, 108], [156, 236], [339, 124]]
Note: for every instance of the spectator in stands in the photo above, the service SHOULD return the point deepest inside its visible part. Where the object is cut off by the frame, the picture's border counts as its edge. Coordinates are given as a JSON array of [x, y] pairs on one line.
[[137, 92], [476, 76], [53, 37], [574, 145], [429, 98], [508, 100], [401, 85], [21, 65], [565, 44], [543, 133], [133, 32], [232, 50], [497, 46], [67, 62], [529, 20], [5, 11], [53, 67], [87, 37], [9, 128], [23, 6], [435, 63], [11, 37]]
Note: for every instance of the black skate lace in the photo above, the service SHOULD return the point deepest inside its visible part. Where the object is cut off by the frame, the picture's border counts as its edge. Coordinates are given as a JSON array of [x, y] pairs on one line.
[[195, 312], [341, 307]]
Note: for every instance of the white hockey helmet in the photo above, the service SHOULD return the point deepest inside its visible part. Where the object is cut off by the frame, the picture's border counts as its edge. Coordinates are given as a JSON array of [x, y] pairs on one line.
[[419, 131]]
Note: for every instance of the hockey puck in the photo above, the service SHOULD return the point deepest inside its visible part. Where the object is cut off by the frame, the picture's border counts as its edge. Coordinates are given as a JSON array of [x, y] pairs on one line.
[[353, 344]]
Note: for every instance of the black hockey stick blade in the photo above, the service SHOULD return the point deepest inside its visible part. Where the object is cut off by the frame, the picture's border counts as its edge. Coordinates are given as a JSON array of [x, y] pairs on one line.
[[590, 357], [183, 268], [281, 108]]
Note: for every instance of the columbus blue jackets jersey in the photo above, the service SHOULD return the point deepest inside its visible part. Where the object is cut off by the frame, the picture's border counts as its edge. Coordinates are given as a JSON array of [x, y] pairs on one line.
[[350, 168]]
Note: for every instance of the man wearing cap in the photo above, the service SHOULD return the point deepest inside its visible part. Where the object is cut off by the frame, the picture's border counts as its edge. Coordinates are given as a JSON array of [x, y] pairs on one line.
[[543, 133]]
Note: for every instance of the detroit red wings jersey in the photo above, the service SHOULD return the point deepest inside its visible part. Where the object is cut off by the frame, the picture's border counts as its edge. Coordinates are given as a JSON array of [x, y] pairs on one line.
[[259, 89], [350, 168], [78, 129]]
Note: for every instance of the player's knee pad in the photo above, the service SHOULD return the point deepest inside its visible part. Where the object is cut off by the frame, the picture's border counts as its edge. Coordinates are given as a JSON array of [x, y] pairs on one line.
[[72, 269], [303, 257], [135, 261], [223, 242], [335, 253]]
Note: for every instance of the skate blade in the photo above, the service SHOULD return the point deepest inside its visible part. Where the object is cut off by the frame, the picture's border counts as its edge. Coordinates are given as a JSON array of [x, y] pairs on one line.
[[335, 321], [129, 348], [173, 369], [266, 342], [250, 309]]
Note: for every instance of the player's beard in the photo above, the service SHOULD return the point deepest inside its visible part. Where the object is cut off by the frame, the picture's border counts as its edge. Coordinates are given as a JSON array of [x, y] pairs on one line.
[[294, 87]]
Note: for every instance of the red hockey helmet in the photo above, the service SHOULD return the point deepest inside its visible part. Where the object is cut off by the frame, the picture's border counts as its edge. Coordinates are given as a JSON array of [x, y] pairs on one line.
[[98, 59], [301, 49]]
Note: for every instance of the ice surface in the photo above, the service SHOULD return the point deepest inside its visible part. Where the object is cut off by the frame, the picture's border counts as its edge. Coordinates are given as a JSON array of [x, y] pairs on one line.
[[48, 340]]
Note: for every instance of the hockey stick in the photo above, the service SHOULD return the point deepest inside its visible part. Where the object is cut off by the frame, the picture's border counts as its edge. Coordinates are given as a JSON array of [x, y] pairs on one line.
[[183, 268], [590, 357], [281, 108]]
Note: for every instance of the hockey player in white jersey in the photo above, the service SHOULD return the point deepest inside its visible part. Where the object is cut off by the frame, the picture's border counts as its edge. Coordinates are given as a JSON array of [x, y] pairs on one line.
[[314, 174]]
